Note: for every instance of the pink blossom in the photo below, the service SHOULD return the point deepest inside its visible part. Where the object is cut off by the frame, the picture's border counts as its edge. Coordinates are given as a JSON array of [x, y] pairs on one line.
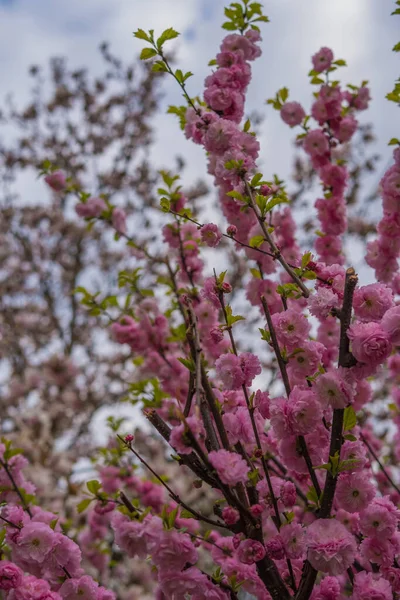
[[10, 575], [316, 143], [173, 551], [178, 439], [219, 136], [371, 302], [296, 415], [292, 113], [291, 327], [262, 403], [92, 208], [119, 220], [231, 467], [331, 548], [211, 235], [129, 536], [250, 551], [32, 588], [391, 324], [230, 515], [190, 582], [379, 519], [321, 303], [344, 128], [362, 98], [368, 586], [322, 60], [294, 540], [243, 45], [328, 589], [354, 492], [36, 540], [56, 180], [76, 589], [332, 390], [370, 343], [378, 550]]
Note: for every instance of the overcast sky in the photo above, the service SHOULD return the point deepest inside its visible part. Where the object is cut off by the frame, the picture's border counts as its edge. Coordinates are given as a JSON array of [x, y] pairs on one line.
[[361, 31]]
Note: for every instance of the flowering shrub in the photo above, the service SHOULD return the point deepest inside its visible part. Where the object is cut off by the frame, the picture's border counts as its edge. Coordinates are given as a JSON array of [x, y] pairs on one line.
[[301, 500]]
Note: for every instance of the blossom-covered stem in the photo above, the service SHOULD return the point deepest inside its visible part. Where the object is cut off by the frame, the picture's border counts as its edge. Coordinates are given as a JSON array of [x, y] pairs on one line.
[[190, 460], [346, 359], [253, 423], [381, 466], [16, 488], [125, 500], [197, 349], [172, 494], [10, 523], [275, 346], [282, 472], [211, 439], [285, 378], [212, 403], [190, 394], [273, 246]]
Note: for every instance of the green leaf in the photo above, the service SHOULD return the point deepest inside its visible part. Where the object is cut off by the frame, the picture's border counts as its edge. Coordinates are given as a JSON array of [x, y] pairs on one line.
[[394, 142], [93, 486], [256, 179], [312, 495], [305, 259], [186, 514], [340, 62], [396, 47], [350, 437], [255, 273], [247, 126], [317, 81], [165, 204], [230, 318], [159, 67], [83, 504], [141, 35], [349, 419], [188, 363], [284, 94], [229, 26], [212, 62], [168, 34], [147, 53], [257, 241]]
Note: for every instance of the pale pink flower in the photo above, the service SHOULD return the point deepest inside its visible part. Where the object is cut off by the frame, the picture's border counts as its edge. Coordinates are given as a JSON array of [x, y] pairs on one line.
[[322, 60], [250, 551], [370, 302], [92, 208], [378, 550], [379, 519], [231, 467], [56, 180], [370, 343], [291, 327], [76, 589], [35, 541], [292, 113], [331, 548], [354, 492], [173, 551], [332, 390], [119, 220], [370, 586], [391, 324], [10, 575], [294, 540]]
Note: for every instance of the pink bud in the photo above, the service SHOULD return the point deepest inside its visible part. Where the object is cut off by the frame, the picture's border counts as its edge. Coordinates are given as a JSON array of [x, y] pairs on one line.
[[57, 181]]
